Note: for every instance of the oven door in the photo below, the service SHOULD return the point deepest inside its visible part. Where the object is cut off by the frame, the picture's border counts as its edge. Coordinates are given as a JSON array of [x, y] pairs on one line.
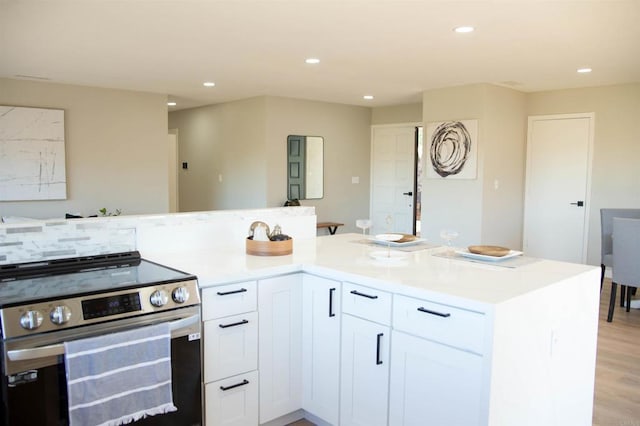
[[34, 390]]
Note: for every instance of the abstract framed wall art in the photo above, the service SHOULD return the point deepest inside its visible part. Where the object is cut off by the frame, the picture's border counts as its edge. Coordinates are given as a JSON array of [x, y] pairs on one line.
[[452, 149], [32, 154]]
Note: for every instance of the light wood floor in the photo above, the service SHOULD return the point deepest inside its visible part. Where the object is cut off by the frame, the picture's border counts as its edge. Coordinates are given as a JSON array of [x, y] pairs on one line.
[[617, 390], [617, 394]]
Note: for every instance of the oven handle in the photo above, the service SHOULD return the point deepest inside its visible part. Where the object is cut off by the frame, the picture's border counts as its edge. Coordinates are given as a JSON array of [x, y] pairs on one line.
[[58, 349]]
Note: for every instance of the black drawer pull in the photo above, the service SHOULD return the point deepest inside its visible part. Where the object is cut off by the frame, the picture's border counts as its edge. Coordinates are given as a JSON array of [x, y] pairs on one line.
[[368, 296], [378, 339], [440, 314], [234, 324], [226, 293], [331, 313], [237, 385]]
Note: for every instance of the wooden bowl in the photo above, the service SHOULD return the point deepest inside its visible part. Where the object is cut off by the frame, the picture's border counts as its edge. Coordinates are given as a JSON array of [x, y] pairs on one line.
[[406, 238], [495, 251], [269, 248]]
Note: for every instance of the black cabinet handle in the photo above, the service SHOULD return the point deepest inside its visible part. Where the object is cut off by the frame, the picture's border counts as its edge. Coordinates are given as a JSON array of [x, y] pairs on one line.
[[440, 314], [331, 313], [226, 293], [368, 296], [407, 193], [234, 324], [578, 203], [237, 385], [378, 339]]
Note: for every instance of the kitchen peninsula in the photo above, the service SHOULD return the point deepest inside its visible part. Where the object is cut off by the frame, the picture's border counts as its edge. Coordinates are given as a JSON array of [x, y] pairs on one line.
[[331, 334], [417, 341]]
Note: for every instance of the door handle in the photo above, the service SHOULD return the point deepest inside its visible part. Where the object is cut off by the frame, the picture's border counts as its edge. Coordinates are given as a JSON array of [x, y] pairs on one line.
[[378, 344], [408, 193], [331, 313], [237, 385], [578, 203], [235, 324]]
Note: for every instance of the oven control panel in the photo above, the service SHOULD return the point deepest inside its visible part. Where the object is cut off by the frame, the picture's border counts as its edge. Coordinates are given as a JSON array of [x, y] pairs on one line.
[[111, 305], [54, 315]]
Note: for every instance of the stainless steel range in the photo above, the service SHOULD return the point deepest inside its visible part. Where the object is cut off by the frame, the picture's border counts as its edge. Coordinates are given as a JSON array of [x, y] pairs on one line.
[[45, 304]]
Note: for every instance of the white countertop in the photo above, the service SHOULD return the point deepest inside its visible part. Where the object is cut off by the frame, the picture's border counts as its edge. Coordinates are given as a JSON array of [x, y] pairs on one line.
[[340, 256]]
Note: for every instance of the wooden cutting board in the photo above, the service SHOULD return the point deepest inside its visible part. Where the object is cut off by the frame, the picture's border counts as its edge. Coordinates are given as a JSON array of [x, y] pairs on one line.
[[495, 251]]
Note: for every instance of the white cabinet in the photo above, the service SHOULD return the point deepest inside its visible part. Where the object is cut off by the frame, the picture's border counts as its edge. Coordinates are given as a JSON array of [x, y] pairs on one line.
[[233, 401], [432, 383], [230, 299], [364, 382], [321, 347], [231, 344], [280, 342], [230, 354]]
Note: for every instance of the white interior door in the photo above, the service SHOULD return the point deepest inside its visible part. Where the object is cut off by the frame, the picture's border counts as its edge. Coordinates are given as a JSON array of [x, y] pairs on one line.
[[393, 151], [557, 186]]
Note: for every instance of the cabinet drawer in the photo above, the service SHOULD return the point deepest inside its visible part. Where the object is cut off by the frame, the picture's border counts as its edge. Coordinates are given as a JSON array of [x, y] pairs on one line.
[[441, 323], [367, 303], [232, 299], [232, 401], [230, 346]]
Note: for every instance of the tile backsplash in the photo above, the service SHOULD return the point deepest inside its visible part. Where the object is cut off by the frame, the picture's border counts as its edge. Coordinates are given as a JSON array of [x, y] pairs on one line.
[[54, 239]]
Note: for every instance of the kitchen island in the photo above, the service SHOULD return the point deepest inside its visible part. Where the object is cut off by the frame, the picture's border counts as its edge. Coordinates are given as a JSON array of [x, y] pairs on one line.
[[343, 338]]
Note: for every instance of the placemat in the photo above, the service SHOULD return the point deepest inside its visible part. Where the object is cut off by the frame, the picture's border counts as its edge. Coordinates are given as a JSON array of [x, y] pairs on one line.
[[514, 262], [422, 245]]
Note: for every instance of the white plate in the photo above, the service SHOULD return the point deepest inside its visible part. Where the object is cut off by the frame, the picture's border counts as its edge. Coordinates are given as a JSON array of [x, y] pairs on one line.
[[391, 240], [467, 253], [388, 255]]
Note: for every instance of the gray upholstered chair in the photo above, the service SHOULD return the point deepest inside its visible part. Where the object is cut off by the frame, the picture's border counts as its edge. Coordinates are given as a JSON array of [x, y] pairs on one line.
[[606, 248], [626, 258]]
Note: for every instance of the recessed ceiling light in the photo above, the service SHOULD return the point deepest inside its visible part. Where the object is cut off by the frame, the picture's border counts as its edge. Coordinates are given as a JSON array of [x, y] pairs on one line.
[[171, 104], [208, 84], [584, 70], [464, 29], [312, 61], [367, 97]]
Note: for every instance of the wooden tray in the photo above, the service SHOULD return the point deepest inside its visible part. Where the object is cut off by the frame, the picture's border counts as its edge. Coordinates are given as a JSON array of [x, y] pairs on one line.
[[495, 251], [269, 248]]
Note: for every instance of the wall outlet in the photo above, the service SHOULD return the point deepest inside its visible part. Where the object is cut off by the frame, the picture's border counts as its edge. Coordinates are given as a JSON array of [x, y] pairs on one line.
[[220, 178], [355, 179]]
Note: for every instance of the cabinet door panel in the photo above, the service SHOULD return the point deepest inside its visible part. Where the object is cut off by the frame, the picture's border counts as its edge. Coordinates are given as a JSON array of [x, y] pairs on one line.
[[366, 302], [433, 384], [226, 300], [321, 347], [364, 382], [233, 401], [230, 346], [280, 343]]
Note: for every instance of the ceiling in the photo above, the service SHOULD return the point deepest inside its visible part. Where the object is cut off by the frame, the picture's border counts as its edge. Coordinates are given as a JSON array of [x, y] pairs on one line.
[[391, 49]]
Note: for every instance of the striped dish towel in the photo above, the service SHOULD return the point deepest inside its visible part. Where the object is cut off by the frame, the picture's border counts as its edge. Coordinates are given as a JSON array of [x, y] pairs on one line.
[[119, 378]]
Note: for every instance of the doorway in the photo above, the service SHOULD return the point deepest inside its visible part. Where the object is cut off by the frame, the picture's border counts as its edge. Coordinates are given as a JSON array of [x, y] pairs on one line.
[[172, 173], [396, 167], [557, 186]]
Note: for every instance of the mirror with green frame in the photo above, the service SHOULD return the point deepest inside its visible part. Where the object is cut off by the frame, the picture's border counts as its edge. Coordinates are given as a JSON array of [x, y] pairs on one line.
[[305, 167]]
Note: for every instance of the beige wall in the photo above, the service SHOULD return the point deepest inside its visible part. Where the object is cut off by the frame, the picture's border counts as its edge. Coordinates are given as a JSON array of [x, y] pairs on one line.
[[346, 133], [410, 113], [222, 142], [479, 212], [116, 148], [616, 157], [246, 141]]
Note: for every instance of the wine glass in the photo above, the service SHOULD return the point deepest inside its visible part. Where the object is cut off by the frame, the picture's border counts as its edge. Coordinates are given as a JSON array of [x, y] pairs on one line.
[[363, 224], [449, 235]]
